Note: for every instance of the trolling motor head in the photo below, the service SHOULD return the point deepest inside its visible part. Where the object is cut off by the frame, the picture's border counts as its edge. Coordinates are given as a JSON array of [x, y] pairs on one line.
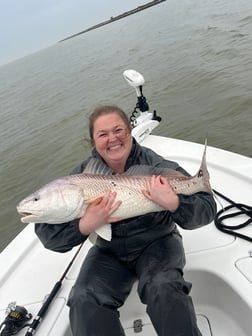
[[142, 121], [136, 80]]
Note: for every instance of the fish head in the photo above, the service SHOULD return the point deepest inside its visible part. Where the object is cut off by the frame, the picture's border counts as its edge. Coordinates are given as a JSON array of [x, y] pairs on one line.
[[57, 202]]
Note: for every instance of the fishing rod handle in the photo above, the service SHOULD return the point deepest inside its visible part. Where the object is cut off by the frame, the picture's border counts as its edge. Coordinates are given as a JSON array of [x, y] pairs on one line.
[[36, 321], [33, 326]]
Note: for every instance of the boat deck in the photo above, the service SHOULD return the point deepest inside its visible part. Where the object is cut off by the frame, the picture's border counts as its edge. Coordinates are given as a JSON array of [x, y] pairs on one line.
[[218, 265]]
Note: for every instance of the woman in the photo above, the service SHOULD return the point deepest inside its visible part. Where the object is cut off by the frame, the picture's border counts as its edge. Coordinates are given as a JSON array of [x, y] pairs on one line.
[[146, 248]]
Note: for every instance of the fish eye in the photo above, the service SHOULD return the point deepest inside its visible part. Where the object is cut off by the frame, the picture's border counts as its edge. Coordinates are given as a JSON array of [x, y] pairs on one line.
[[36, 198]]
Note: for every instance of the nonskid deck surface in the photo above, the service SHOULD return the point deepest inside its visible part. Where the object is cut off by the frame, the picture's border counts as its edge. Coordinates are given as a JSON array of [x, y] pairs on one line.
[[145, 328], [221, 291], [213, 323], [221, 311], [220, 300], [140, 326], [223, 326]]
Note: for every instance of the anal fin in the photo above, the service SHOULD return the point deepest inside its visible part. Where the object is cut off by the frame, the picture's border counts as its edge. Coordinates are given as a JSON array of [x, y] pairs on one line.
[[105, 232]]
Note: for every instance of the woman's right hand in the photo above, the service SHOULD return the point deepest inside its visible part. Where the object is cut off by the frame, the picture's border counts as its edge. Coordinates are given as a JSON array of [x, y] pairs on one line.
[[99, 213]]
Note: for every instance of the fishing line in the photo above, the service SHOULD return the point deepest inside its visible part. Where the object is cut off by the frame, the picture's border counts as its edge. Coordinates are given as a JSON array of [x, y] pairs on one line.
[[224, 213]]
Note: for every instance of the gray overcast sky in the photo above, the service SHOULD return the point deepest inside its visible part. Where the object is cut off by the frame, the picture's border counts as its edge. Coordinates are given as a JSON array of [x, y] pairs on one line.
[[27, 26]]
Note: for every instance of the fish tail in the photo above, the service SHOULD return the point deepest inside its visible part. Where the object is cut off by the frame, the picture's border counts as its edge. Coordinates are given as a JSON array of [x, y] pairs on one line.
[[203, 172]]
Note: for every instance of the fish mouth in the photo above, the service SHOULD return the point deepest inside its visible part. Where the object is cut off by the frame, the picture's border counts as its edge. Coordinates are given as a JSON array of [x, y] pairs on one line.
[[28, 217], [25, 214]]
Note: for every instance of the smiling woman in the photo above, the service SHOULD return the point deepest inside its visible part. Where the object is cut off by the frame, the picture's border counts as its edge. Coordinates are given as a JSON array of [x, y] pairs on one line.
[[103, 110], [111, 136], [144, 238], [117, 132]]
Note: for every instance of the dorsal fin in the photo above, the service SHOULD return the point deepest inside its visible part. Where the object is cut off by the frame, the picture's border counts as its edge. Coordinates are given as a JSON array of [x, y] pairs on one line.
[[96, 167], [149, 171]]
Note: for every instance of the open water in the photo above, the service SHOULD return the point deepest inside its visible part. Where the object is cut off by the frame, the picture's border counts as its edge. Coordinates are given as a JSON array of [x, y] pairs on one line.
[[196, 57]]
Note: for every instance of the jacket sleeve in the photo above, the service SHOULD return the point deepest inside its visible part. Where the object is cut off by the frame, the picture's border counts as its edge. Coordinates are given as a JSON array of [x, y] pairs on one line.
[[195, 210], [61, 237]]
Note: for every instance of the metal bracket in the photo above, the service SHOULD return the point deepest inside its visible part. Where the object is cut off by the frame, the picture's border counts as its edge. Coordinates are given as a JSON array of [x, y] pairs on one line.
[[11, 307], [138, 326]]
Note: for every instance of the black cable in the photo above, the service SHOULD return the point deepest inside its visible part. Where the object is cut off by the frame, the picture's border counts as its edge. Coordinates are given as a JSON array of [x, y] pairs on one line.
[[243, 209]]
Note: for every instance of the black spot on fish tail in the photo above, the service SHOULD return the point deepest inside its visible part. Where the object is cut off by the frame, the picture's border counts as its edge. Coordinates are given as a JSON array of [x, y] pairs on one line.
[[203, 172], [200, 173]]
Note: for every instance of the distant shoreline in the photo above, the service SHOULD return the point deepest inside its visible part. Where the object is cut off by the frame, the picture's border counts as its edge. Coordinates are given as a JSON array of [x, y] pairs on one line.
[[115, 18]]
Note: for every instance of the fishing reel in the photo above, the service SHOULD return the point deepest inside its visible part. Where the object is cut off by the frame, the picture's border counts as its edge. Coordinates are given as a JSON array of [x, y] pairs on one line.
[[142, 121], [15, 320]]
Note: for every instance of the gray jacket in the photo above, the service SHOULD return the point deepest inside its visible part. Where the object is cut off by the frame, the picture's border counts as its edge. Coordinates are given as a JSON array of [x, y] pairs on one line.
[[193, 212]]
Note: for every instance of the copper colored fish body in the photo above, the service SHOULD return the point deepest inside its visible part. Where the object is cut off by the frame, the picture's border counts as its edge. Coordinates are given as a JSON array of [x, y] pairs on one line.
[[67, 198]]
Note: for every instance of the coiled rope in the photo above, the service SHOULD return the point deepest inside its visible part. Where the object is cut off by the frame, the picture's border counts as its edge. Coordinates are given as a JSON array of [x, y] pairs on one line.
[[243, 209]]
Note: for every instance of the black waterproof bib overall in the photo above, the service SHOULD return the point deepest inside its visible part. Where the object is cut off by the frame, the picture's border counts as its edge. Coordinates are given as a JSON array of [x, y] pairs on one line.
[[156, 259]]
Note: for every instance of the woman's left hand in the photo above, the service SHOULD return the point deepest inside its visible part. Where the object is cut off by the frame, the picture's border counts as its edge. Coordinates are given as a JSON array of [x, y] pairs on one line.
[[159, 191]]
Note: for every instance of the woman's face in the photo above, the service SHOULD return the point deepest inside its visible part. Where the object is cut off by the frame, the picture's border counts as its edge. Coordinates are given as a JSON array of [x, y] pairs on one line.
[[112, 139]]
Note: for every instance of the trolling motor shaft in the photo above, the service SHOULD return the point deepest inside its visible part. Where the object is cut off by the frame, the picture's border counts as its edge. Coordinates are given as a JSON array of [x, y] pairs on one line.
[[142, 121]]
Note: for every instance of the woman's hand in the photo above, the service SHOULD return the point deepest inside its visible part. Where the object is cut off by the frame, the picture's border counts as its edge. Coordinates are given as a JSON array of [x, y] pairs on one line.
[[99, 213], [159, 191]]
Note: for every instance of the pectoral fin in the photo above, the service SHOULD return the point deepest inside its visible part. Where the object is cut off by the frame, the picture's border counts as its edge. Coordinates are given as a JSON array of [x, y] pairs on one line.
[[105, 232], [92, 237]]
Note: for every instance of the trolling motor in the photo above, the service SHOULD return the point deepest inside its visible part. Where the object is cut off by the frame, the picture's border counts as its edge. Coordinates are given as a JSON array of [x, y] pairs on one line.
[[15, 320], [142, 121]]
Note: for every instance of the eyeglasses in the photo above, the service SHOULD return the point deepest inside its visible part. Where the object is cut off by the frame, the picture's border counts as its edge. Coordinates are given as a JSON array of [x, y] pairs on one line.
[[118, 132]]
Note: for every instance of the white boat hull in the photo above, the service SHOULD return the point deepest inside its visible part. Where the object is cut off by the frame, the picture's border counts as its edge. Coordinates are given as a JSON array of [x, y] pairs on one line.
[[218, 265]]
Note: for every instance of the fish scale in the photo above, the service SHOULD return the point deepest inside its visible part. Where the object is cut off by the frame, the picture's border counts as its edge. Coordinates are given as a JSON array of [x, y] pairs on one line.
[[128, 189]]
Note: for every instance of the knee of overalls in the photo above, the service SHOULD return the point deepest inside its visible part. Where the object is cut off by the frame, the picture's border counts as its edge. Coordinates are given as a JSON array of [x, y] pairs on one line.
[[86, 296], [169, 283], [88, 317]]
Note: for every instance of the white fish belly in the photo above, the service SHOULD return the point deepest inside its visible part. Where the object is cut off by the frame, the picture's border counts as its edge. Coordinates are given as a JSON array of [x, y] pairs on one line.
[[128, 190], [134, 205]]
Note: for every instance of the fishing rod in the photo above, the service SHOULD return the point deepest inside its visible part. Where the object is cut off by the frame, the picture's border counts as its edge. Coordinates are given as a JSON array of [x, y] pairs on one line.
[[36, 321]]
